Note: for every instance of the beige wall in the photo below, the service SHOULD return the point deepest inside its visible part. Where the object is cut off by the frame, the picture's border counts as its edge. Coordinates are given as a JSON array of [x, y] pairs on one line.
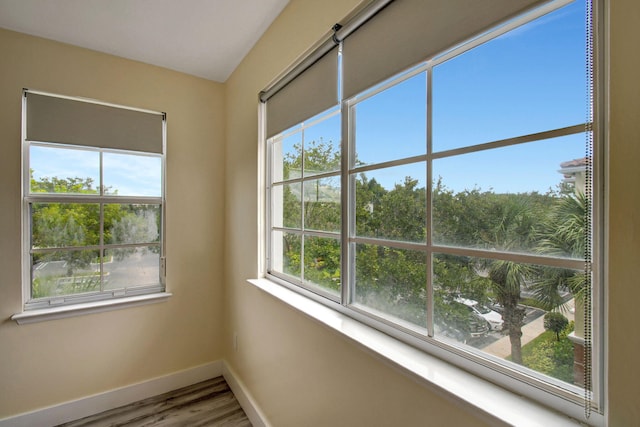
[[299, 372], [46, 363], [302, 374], [624, 205]]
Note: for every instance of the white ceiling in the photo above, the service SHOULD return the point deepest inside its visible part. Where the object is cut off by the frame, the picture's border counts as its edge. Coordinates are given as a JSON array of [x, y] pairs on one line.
[[205, 38]]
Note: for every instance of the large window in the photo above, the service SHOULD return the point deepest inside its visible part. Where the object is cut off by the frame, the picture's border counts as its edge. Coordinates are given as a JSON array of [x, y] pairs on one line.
[[454, 201], [93, 209]]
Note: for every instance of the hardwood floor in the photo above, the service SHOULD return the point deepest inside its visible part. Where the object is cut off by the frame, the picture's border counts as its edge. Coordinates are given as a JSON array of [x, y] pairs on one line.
[[209, 403]]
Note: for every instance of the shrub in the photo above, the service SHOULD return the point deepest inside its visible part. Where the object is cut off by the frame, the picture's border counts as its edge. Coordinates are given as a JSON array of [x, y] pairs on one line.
[[556, 322]]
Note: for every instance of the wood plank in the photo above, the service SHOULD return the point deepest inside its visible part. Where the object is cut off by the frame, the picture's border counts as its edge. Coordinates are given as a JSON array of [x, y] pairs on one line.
[[209, 403]]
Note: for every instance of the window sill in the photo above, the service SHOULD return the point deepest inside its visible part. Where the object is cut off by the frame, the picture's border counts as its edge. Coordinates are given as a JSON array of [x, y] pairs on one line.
[[495, 404], [46, 314]]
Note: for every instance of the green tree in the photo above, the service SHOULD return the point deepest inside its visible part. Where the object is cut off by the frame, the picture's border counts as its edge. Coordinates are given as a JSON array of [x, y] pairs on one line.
[[62, 185], [513, 231], [369, 195], [556, 322], [402, 212], [394, 280], [58, 225], [320, 202], [562, 233], [390, 279], [62, 225]]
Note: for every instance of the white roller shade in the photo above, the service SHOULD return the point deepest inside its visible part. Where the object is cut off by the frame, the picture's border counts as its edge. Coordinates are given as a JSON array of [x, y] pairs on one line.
[[407, 32], [68, 121], [310, 93]]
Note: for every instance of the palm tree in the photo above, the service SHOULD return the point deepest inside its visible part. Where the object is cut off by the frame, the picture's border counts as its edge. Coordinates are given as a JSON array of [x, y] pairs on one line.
[[562, 233], [508, 278], [512, 232]]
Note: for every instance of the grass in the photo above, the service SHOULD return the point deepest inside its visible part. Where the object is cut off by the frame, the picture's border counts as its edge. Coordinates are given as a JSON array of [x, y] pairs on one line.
[[549, 356]]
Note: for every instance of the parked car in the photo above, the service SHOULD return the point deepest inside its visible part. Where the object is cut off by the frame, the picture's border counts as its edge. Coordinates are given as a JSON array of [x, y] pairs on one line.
[[494, 319], [457, 321]]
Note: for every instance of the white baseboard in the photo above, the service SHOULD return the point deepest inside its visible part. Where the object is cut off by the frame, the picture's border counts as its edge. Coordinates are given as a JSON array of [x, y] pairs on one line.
[[76, 409], [251, 408]]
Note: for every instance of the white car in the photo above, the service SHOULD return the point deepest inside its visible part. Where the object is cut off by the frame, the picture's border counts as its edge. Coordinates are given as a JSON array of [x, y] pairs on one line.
[[493, 318]]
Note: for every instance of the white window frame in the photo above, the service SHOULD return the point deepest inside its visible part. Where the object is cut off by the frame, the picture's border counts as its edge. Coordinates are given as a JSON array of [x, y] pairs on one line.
[[557, 394], [301, 128], [67, 305]]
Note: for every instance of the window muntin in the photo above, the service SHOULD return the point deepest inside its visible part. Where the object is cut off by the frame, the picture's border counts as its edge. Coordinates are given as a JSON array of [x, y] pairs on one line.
[[451, 276], [93, 223], [511, 75], [305, 204]]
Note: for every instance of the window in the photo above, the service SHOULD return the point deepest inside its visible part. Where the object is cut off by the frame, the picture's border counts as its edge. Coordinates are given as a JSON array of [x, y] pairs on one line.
[[453, 201], [305, 204], [93, 201]]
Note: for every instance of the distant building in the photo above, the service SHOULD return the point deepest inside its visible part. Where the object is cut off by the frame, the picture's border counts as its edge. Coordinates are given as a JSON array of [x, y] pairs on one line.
[[574, 172]]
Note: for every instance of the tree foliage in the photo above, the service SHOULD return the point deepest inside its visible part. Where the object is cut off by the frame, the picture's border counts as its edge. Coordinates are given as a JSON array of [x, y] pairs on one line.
[[562, 233], [556, 322], [393, 280], [61, 232]]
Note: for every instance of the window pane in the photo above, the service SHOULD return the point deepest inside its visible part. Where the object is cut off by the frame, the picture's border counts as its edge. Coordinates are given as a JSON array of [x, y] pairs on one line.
[[286, 250], [505, 198], [322, 263], [391, 203], [63, 170], [286, 155], [322, 204], [500, 308], [64, 273], [131, 223], [392, 281], [58, 225], [392, 125], [131, 267], [322, 147], [132, 175], [529, 80], [286, 205]]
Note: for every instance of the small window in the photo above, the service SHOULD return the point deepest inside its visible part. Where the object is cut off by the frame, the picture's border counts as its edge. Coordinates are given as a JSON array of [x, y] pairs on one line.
[[93, 210]]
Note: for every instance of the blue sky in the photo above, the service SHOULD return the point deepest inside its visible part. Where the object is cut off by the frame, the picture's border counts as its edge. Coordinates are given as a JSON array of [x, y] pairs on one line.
[[130, 175], [529, 80]]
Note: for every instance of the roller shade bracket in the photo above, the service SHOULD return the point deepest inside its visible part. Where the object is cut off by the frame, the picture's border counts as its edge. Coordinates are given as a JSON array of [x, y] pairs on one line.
[[340, 32]]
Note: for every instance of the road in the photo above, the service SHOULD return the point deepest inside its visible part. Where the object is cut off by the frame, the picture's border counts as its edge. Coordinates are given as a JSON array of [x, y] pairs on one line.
[[137, 268]]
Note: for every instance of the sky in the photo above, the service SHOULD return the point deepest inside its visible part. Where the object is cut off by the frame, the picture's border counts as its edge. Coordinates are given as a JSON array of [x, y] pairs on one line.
[[529, 80], [129, 175]]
